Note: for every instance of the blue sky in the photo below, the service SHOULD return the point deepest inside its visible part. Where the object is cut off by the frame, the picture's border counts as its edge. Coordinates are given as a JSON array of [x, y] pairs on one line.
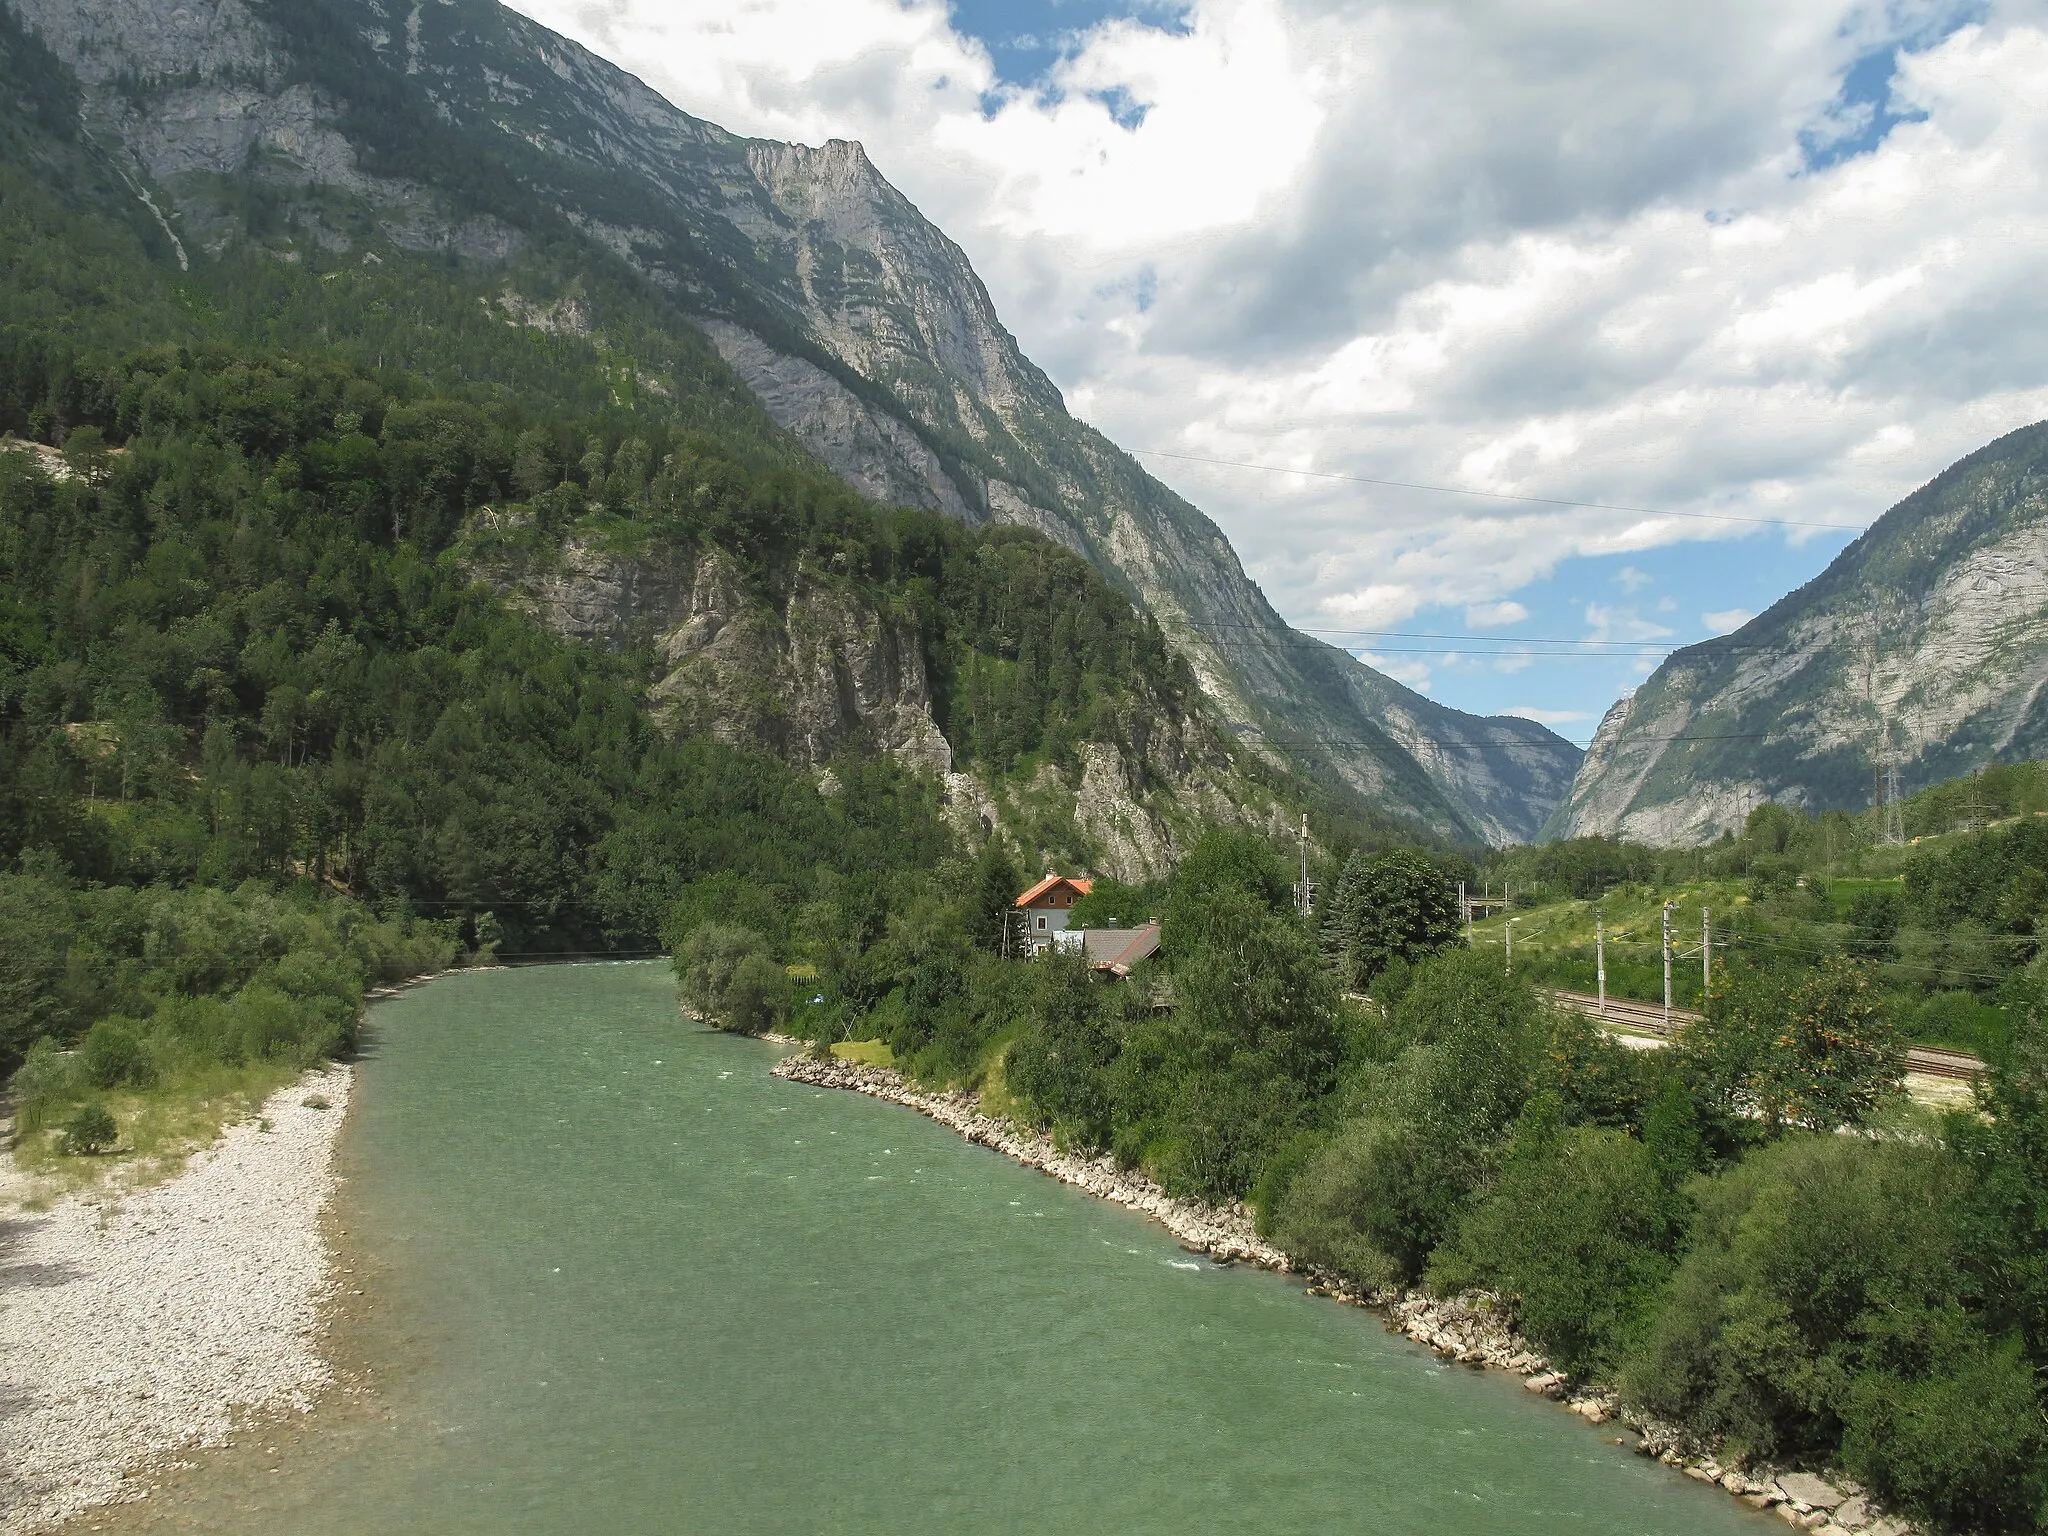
[[1025, 39], [1765, 258]]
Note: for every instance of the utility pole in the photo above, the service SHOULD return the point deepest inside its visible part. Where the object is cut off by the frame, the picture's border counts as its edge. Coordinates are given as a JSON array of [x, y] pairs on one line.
[[1667, 967], [1600, 958], [1302, 894], [1706, 953], [1465, 913], [1507, 930]]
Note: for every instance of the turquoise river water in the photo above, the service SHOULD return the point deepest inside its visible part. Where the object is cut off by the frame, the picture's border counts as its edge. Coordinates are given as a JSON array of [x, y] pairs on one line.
[[625, 1281]]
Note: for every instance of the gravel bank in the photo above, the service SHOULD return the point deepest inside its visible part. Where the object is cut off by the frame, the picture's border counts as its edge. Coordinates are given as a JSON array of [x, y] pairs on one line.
[[134, 1325]]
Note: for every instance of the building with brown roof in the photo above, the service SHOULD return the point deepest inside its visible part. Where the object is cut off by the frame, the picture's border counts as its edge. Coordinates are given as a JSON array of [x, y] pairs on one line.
[[1045, 908]]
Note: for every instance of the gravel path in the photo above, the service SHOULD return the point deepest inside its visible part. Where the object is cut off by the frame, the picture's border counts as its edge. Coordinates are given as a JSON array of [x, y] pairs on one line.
[[132, 1326]]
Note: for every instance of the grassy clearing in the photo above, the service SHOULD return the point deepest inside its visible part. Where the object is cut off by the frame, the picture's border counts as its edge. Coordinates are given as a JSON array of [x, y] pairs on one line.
[[1555, 943], [160, 1128], [866, 1053]]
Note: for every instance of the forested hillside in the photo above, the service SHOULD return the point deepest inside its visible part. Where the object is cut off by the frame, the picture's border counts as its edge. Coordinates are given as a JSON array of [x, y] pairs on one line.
[[249, 512], [310, 133]]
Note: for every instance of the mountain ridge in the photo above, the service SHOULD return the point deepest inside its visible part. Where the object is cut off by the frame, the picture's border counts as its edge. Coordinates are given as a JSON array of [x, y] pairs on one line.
[[860, 326], [1922, 646]]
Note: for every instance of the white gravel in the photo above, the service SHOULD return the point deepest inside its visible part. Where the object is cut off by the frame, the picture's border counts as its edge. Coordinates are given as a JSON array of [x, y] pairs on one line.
[[133, 1325]]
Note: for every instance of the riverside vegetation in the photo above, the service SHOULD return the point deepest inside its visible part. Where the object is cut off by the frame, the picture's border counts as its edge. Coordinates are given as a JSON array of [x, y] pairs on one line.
[[266, 740], [1685, 1226]]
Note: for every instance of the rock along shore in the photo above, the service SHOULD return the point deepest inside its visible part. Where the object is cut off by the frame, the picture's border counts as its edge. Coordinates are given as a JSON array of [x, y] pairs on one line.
[[134, 1325], [1471, 1330]]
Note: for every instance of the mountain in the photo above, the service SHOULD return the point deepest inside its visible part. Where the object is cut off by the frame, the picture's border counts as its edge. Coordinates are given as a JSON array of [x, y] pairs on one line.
[[464, 130], [1923, 646]]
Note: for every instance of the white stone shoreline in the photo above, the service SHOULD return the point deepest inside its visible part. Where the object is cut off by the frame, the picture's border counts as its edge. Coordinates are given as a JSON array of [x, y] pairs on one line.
[[1465, 1329], [135, 1325]]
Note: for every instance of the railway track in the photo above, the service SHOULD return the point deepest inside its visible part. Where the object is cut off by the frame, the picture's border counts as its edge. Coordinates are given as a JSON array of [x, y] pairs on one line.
[[1930, 1060]]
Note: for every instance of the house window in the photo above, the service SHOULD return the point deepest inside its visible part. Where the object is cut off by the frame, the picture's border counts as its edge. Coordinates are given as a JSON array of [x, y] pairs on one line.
[[1041, 922]]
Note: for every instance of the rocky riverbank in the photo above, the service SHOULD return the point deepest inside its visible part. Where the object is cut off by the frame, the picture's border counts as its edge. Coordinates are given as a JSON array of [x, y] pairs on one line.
[[1471, 1330], [135, 1325]]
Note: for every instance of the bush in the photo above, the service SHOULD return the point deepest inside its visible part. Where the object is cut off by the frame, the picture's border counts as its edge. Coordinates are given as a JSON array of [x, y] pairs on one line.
[[1426, 1129], [757, 997], [1961, 1444], [90, 1131], [1580, 1229], [1374, 1202], [727, 976], [1818, 1261], [47, 1079], [114, 1055]]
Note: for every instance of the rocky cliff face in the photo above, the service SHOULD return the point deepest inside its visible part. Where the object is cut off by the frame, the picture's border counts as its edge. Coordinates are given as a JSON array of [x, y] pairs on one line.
[[862, 329], [816, 669], [1924, 645]]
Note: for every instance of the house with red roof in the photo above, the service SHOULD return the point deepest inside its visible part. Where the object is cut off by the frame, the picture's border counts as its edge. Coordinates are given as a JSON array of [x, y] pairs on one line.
[[1045, 908]]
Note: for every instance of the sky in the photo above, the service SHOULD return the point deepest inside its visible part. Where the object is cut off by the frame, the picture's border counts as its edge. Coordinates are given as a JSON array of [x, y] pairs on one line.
[[1713, 284]]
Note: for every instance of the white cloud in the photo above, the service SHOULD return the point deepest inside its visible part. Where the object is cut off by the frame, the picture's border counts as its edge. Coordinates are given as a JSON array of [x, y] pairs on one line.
[[1374, 606], [1727, 620], [1493, 615], [1632, 580], [1547, 716], [1605, 623], [1472, 246]]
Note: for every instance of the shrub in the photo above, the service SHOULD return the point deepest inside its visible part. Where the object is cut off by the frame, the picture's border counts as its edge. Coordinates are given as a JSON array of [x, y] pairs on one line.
[[1426, 1129], [1581, 1229], [91, 1130], [726, 975], [1817, 1261], [114, 1055], [757, 997], [1961, 1443], [47, 1079]]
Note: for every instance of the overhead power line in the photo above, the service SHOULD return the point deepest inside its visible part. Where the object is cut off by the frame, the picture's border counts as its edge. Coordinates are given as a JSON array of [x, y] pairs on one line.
[[1285, 740], [1465, 490], [1651, 642]]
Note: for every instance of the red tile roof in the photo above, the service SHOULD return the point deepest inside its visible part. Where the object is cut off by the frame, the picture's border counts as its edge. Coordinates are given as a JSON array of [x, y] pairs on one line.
[[1038, 890]]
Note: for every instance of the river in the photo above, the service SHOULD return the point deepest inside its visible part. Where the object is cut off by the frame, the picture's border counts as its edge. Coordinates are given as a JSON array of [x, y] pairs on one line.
[[621, 1280]]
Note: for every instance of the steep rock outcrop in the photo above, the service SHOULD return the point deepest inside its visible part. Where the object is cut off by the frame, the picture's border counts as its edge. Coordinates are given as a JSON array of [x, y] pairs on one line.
[[822, 673]]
